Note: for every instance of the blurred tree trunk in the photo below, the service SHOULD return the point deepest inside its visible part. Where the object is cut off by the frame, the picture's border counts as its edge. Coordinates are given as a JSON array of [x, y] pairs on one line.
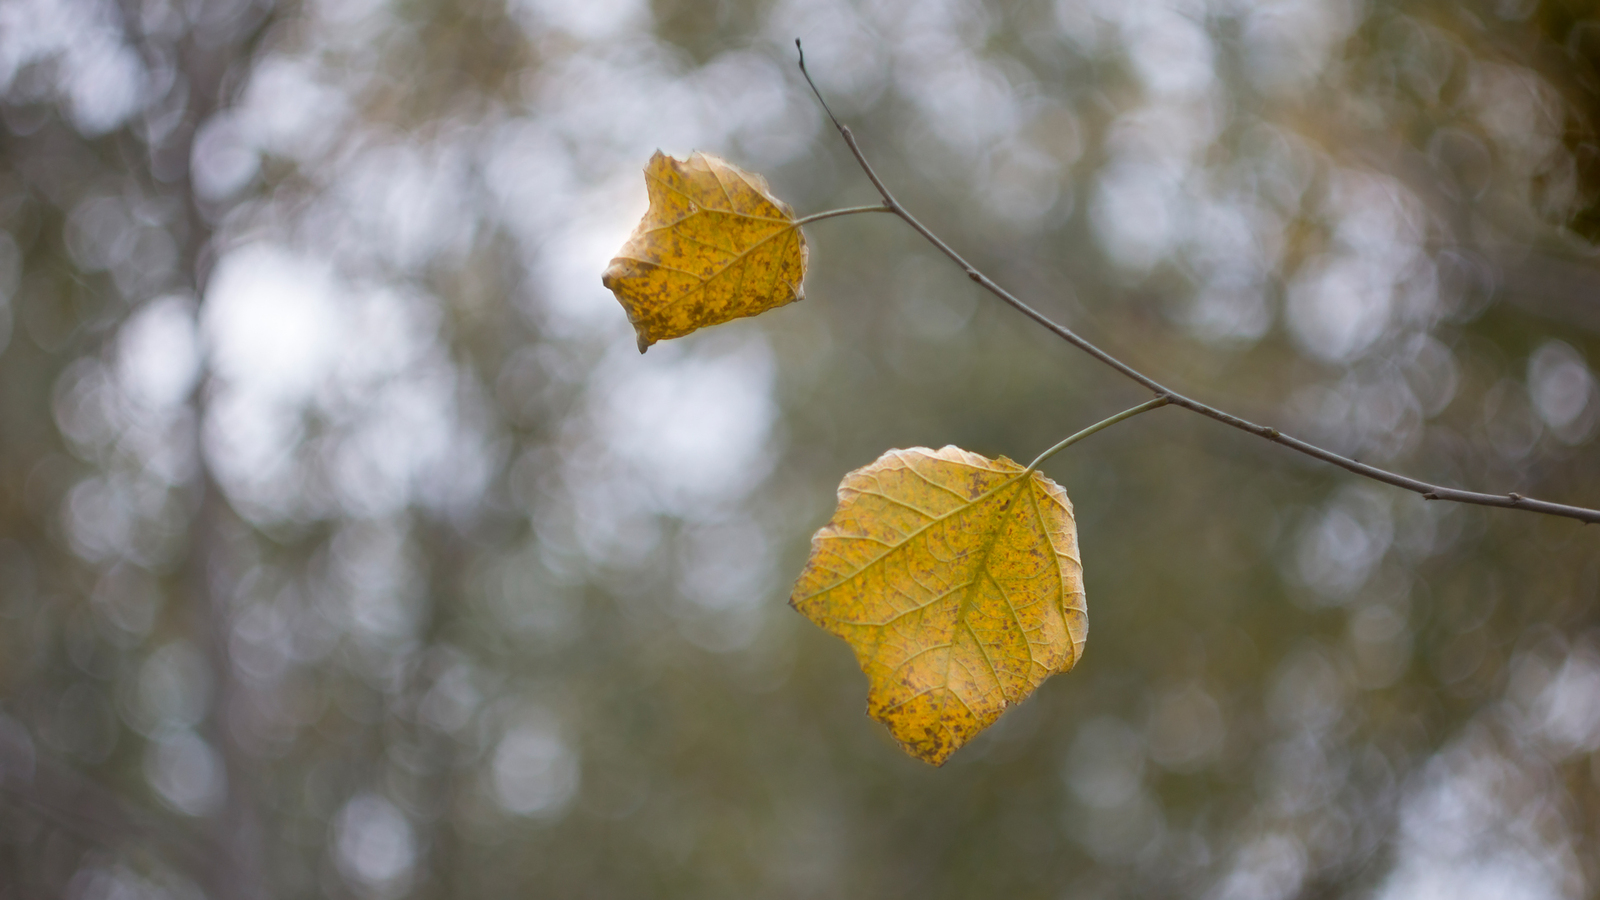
[[208, 59]]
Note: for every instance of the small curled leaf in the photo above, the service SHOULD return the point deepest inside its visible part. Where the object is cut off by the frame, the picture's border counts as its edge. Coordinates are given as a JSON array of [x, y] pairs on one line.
[[957, 581], [715, 245]]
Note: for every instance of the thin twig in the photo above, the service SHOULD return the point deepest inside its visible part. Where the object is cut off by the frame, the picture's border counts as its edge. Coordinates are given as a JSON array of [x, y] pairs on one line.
[[1428, 491]]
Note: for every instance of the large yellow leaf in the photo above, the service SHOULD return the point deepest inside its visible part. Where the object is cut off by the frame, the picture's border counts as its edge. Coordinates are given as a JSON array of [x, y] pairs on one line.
[[715, 245], [957, 581]]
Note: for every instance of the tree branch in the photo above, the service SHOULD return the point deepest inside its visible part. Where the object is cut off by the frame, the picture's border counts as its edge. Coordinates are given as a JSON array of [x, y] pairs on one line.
[[1428, 491]]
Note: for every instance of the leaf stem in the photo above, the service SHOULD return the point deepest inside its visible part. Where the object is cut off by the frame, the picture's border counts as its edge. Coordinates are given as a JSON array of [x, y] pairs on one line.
[[1153, 403], [847, 211], [1428, 491]]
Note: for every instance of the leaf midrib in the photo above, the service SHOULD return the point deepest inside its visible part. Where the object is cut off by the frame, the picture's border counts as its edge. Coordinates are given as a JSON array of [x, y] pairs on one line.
[[932, 521], [738, 257], [965, 606]]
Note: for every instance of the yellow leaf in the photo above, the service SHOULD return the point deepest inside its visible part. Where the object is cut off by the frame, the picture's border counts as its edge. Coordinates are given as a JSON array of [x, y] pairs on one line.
[[957, 581], [715, 245]]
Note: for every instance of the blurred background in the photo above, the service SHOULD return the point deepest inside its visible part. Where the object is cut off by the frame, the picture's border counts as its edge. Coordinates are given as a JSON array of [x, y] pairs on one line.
[[348, 548]]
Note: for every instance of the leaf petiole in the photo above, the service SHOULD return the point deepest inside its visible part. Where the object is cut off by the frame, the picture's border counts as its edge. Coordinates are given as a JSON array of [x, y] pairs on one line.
[[1146, 406], [847, 211]]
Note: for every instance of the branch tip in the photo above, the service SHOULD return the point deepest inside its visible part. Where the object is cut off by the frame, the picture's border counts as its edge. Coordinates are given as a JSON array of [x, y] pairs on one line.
[[801, 50]]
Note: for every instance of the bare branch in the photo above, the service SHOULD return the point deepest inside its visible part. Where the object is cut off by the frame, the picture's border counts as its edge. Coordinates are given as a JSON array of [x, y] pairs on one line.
[[1428, 491]]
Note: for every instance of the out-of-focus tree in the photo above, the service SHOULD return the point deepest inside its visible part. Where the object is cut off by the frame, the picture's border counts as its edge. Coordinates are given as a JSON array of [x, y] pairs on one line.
[[348, 547]]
